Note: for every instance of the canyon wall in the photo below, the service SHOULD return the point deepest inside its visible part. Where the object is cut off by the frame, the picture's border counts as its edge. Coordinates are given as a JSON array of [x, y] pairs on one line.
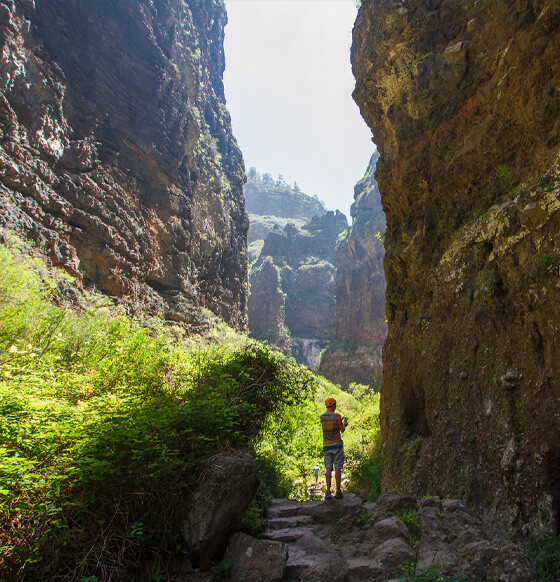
[[116, 150], [273, 204], [463, 99], [291, 302], [360, 328]]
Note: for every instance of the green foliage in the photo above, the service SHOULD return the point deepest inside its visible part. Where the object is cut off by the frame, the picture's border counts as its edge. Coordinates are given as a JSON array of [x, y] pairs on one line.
[[292, 444], [504, 172], [222, 571], [364, 458], [409, 518], [343, 237], [104, 423], [254, 522], [364, 518], [547, 259], [544, 553]]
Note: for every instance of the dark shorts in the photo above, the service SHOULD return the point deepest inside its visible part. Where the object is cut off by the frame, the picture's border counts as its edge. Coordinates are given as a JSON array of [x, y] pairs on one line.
[[334, 457]]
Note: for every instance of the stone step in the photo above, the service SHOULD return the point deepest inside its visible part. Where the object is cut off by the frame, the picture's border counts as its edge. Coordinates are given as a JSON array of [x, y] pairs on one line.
[[282, 511], [287, 535], [287, 522], [290, 508]]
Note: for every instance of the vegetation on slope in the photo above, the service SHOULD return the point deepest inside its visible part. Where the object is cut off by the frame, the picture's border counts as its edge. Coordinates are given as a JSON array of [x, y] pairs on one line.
[[105, 421]]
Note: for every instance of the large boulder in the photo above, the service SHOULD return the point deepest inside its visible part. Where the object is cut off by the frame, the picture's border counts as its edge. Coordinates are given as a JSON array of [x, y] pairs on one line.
[[253, 559], [214, 508]]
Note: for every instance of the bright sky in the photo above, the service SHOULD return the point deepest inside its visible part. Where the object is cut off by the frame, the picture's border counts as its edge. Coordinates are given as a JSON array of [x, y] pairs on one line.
[[289, 90]]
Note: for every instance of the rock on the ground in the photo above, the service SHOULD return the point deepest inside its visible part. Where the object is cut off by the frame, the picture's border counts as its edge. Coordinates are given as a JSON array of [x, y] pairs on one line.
[[350, 540], [392, 554], [253, 559], [214, 508]]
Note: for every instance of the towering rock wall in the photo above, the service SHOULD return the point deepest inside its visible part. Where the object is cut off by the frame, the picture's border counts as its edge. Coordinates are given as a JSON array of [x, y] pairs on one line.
[[116, 151], [463, 99], [360, 327], [294, 276]]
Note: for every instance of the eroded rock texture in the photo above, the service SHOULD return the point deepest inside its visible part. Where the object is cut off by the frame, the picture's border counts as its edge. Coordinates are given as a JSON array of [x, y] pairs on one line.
[[116, 151], [463, 99], [273, 205], [292, 302], [360, 327]]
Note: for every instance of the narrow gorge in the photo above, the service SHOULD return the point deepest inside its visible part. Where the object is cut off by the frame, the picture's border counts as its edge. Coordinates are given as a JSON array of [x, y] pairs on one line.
[[172, 326], [354, 355]]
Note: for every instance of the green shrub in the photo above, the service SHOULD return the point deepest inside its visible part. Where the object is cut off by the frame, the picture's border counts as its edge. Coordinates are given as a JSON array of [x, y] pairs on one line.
[[105, 422], [409, 518], [504, 172]]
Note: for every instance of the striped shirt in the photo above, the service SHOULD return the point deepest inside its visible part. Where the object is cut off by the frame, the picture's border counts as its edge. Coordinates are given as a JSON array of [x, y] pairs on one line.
[[331, 431]]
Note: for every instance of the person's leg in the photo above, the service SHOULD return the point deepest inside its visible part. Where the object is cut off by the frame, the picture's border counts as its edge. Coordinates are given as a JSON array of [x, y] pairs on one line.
[[337, 478], [338, 464], [329, 461], [328, 478]]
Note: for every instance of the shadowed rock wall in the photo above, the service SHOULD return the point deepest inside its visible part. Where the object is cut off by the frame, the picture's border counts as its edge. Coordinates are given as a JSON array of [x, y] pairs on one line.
[[463, 99], [116, 151]]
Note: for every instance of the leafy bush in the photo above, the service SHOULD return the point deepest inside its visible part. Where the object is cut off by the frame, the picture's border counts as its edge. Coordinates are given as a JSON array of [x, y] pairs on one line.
[[105, 421]]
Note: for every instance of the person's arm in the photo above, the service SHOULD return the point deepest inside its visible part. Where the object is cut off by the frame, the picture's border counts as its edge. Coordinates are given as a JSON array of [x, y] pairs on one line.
[[340, 423]]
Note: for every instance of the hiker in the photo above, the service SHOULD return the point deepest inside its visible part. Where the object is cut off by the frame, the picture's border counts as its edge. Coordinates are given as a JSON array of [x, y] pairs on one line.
[[316, 470], [333, 447]]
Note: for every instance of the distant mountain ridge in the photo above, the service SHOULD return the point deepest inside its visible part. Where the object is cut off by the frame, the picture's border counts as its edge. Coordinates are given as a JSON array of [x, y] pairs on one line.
[[274, 204]]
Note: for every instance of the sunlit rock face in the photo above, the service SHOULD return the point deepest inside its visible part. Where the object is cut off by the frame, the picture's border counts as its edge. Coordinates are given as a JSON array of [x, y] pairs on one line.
[[272, 205], [117, 155], [463, 99], [292, 301], [360, 327]]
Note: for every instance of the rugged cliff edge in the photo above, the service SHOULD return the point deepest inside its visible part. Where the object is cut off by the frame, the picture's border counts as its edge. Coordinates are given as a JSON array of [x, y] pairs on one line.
[[360, 328], [463, 99], [292, 303], [272, 204], [116, 151]]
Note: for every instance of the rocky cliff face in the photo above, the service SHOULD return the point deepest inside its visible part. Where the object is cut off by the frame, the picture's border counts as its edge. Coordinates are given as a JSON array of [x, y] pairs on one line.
[[272, 199], [360, 327], [296, 272], [274, 205], [116, 151], [463, 99]]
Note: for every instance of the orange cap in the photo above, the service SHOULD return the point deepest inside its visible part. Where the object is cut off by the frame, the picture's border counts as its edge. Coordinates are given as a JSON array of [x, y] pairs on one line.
[[330, 402]]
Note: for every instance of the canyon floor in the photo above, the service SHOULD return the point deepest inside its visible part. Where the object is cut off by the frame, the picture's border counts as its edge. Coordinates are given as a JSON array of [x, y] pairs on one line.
[[397, 538]]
